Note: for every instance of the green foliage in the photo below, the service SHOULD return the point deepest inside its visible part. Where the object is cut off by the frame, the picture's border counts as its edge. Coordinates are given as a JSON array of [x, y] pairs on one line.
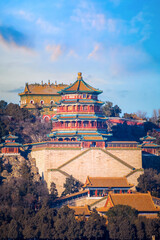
[[111, 111], [130, 116], [3, 130], [26, 125], [95, 227], [66, 226], [53, 191], [3, 104], [125, 132], [71, 186], [149, 181], [121, 220]]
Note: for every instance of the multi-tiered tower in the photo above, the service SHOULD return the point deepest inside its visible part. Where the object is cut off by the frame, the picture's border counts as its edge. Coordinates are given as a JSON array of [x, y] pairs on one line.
[[79, 116]]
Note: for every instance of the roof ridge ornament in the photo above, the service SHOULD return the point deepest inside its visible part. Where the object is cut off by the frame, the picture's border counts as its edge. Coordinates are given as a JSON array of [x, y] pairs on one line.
[[79, 76]]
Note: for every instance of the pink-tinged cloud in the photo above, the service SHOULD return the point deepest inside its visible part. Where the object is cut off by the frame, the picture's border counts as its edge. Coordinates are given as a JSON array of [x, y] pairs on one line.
[[96, 52], [55, 51], [11, 45]]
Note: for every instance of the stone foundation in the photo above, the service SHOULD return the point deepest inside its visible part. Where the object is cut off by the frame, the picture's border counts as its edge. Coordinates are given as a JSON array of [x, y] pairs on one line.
[[57, 164]]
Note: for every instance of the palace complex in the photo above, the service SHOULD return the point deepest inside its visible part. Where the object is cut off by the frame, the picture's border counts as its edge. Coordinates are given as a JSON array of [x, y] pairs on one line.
[[79, 143]]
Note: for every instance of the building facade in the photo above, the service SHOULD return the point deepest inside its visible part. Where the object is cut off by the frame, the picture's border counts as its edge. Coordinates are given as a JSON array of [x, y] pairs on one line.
[[42, 96], [10, 146], [79, 116], [148, 145]]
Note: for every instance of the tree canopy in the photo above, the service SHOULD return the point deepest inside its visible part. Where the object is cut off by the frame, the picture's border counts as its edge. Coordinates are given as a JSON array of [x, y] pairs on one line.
[[71, 186], [121, 222], [149, 181], [23, 123], [111, 111]]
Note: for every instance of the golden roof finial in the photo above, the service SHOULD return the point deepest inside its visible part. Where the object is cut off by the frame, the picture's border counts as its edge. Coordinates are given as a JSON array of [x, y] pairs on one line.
[[79, 76]]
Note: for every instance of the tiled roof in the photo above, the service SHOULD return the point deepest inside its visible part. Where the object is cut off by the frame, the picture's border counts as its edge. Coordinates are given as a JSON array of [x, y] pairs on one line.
[[80, 86], [129, 142], [147, 138], [9, 136], [11, 144], [107, 182], [88, 101], [140, 201], [43, 89], [149, 145], [81, 210], [72, 195], [102, 209], [85, 101]]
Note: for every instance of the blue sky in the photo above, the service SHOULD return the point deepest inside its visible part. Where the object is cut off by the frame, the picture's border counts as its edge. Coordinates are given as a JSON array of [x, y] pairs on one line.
[[114, 43]]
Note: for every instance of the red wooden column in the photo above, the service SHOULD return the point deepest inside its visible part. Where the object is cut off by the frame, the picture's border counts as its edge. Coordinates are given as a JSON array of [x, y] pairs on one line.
[[88, 193], [82, 124], [76, 108], [96, 192]]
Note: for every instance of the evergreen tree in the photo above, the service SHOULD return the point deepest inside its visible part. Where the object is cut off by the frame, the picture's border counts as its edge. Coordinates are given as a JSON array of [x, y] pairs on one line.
[[149, 181], [71, 186], [121, 220], [53, 191], [95, 227], [66, 226], [111, 111]]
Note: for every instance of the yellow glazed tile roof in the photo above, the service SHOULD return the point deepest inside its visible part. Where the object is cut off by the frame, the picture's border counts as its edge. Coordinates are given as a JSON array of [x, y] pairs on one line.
[[140, 201], [107, 182], [80, 86], [43, 89], [84, 210], [72, 195], [102, 209]]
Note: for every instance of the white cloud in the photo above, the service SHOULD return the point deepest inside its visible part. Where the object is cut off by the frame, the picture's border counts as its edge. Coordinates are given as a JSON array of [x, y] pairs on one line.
[[140, 25], [115, 2], [72, 53], [86, 14], [47, 26], [43, 24], [55, 50], [25, 15], [111, 25], [124, 60]]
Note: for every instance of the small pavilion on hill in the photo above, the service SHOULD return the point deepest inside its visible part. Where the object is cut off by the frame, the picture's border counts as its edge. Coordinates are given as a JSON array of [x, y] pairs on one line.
[[148, 145], [101, 186], [79, 116], [10, 146]]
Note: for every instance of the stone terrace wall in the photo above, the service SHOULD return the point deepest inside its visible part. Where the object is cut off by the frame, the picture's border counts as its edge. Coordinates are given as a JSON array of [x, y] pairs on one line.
[[56, 165]]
